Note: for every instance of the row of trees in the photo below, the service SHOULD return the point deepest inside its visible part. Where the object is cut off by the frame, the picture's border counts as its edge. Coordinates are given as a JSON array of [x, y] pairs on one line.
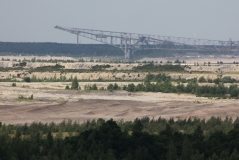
[[158, 68], [225, 79], [151, 126], [192, 87], [165, 85], [58, 49], [109, 140]]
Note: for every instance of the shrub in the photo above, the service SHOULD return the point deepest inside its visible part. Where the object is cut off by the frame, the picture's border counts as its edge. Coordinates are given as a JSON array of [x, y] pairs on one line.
[[21, 97], [22, 64], [216, 81], [89, 87], [94, 87], [202, 79], [113, 87], [209, 80], [110, 87], [101, 88], [25, 98], [67, 87], [228, 79], [27, 79], [14, 85], [233, 91]]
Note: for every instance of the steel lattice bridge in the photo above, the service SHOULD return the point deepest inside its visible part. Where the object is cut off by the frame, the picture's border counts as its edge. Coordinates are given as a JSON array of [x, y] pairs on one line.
[[131, 42]]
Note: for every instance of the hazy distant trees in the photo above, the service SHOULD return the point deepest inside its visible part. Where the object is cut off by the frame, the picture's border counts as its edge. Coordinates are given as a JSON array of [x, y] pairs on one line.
[[59, 49]]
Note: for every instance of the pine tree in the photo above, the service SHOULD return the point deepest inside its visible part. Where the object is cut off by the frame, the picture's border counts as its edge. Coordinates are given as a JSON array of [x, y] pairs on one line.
[[138, 126], [215, 156], [224, 155], [74, 84], [187, 150], [110, 155], [234, 155], [197, 156], [172, 152]]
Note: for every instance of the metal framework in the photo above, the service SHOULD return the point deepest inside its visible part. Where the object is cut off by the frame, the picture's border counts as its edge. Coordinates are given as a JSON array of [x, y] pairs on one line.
[[131, 42]]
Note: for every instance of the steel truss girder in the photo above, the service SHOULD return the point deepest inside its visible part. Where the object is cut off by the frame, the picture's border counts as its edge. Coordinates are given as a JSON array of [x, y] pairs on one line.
[[131, 42]]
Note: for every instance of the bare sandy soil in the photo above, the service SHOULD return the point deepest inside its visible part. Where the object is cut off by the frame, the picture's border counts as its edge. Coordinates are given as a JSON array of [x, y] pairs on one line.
[[55, 104], [52, 103], [192, 60]]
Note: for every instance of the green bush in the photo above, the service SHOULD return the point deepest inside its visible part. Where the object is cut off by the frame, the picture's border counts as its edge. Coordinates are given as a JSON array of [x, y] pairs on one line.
[[101, 88], [94, 87], [209, 81], [27, 79], [228, 79], [233, 90], [202, 79], [89, 87], [21, 97], [113, 87], [100, 67], [217, 80]]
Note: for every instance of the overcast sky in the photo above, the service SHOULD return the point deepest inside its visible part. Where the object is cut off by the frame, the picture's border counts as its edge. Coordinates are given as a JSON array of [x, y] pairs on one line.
[[34, 20]]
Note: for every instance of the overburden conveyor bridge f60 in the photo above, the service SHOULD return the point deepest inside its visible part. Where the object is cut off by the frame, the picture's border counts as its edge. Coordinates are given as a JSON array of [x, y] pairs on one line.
[[131, 42]]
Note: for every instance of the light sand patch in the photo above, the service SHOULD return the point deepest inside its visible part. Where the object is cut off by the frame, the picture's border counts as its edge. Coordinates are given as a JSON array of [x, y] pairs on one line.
[[82, 106]]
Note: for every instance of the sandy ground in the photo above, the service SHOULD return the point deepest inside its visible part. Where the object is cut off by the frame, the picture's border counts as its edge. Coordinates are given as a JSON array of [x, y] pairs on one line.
[[192, 60], [199, 59], [52, 103]]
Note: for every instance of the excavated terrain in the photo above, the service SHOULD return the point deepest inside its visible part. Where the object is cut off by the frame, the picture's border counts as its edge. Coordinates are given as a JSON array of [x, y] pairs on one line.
[[52, 102]]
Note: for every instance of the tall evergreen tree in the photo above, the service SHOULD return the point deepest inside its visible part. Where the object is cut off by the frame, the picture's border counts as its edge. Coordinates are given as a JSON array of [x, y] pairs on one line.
[[187, 150], [172, 152], [75, 84]]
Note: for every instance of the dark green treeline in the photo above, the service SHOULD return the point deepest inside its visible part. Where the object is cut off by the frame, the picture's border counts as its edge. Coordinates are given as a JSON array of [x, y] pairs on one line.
[[164, 84], [81, 50], [143, 139], [58, 49]]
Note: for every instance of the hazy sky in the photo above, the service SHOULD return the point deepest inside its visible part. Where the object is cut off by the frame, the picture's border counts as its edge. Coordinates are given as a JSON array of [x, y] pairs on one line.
[[34, 20]]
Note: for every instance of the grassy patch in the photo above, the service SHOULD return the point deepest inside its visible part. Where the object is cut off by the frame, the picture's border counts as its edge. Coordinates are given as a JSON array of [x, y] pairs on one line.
[[22, 98]]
